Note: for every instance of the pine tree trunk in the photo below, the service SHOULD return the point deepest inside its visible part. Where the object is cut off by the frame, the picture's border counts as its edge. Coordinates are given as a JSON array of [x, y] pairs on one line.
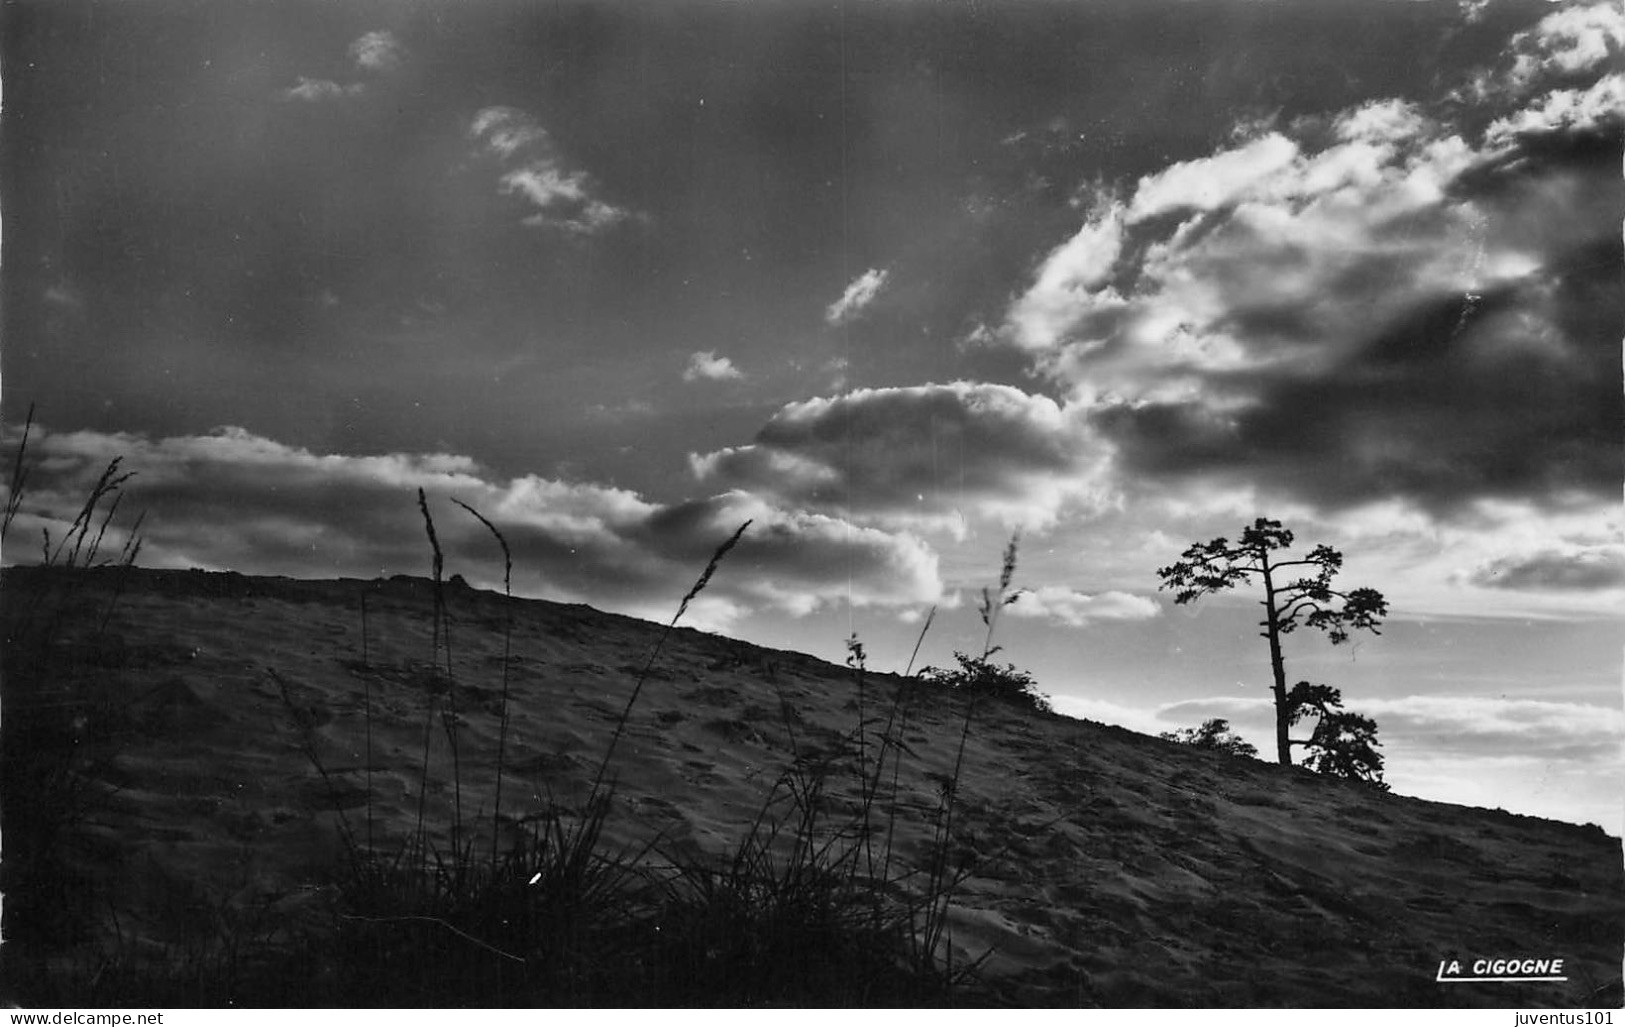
[[1272, 631]]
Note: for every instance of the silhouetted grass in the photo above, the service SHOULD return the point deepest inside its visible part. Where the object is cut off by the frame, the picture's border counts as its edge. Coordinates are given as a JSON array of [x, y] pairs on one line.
[[63, 721], [809, 907], [804, 909]]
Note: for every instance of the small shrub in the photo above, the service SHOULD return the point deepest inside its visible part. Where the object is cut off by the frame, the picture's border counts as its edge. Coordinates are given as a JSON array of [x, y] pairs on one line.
[[980, 676], [1213, 734]]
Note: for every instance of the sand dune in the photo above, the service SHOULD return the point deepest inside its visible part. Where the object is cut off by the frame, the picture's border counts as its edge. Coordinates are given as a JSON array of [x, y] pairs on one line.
[[1110, 868]]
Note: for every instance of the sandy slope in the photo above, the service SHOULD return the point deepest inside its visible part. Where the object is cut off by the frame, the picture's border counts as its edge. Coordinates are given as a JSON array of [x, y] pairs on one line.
[[1116, 869]]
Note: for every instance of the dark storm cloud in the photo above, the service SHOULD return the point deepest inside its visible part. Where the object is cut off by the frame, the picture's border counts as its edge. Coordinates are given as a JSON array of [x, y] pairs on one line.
[[250, 258], [1462, 398], [235, 500], [928, 452]]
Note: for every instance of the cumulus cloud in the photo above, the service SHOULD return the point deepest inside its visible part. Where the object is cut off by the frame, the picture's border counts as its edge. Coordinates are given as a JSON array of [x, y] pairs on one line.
[[1079, 609], [1372, 305], [928, 453], [1573, 39], [857, 297], [235, 500], [1071, 282], [1212, 182], [563, 197], [377, 51], [507, 130], [706, 365], [1559, 111], [1381, 121]]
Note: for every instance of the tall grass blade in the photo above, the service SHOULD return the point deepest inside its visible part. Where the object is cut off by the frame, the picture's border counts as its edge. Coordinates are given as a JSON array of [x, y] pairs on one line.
[[929, 617], [442, 643], [643, 676], [19, 477], [507, 659]]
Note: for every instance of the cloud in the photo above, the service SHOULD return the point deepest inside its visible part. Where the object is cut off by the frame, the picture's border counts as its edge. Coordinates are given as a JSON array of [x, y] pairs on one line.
[[931, 454], [1561, 111], [314, 90], [1079, 609], [1382, 122], [710, 367], [377, 51], [563, 197], [1565, 569], [857, 297], [507, 130], [1573, 39], [1211, 182], [1372, 308], [1104, 711], [1253, 712], [1527, 558], [1485, 726], [1071, 282], [235, 500]]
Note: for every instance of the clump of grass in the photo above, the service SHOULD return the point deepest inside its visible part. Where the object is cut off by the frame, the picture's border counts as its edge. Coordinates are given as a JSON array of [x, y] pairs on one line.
[[806, 908], [788, 917], [63, 716], [30, 631], [940, 877], [810, 906], [554, 919]]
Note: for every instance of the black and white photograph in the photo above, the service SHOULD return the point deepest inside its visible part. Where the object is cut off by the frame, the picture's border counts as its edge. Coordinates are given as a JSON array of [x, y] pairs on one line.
[[1099, 504]]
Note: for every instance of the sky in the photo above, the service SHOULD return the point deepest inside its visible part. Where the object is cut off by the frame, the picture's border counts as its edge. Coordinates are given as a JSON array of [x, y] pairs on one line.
[[895, 282]]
